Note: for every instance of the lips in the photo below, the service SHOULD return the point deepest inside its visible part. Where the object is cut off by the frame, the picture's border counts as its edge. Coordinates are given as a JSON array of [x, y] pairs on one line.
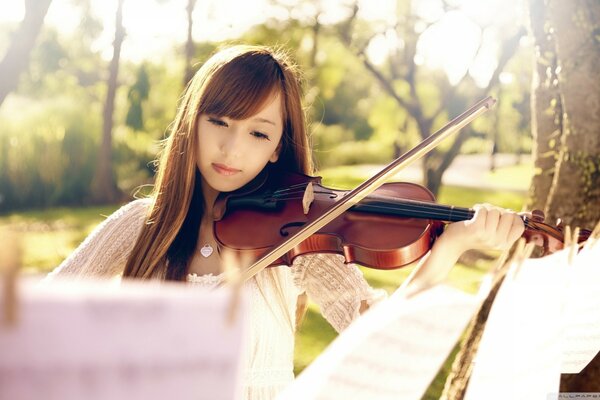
[[224, 169]]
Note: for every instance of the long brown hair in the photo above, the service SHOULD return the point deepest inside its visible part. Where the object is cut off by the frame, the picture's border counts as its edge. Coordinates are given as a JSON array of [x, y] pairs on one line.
[[234, 83]]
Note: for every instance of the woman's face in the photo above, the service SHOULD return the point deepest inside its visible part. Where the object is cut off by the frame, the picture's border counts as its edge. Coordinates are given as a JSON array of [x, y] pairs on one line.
[[232, 152]]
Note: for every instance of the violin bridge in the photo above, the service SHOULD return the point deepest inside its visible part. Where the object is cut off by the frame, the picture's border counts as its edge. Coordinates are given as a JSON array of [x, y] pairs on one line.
[[307, 199]]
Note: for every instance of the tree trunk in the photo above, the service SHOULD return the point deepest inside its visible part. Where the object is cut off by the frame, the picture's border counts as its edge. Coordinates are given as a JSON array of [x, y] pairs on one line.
[[575, 192], [189, 44], [104, 186], [16, 58], [546, 107]]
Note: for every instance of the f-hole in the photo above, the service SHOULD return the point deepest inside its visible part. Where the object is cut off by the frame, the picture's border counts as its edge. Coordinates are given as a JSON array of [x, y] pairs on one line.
[[283, 230]]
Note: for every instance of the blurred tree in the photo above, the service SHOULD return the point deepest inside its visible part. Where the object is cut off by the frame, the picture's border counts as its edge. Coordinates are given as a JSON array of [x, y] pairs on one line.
[[104, 186], [406, 85], [137, 94], [17, 56]]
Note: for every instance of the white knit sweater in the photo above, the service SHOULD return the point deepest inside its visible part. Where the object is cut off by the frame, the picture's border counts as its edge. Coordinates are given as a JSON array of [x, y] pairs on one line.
[[336, 287]]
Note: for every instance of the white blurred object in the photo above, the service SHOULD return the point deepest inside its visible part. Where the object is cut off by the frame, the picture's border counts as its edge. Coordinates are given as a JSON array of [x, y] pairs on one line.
[[99, 340]]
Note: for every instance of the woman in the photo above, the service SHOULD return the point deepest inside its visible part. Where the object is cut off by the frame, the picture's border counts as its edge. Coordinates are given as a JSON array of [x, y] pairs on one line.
[[240, 114]]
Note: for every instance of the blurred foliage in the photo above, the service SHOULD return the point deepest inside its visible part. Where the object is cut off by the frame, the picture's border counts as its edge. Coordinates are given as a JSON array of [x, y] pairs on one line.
[[50, 127], [47, 154]]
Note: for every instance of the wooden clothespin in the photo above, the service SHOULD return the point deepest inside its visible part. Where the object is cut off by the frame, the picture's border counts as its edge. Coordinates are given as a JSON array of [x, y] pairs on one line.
[[574, 248], [490, 278], [10, 262], [568, 237], [522, 252], [232, 267]]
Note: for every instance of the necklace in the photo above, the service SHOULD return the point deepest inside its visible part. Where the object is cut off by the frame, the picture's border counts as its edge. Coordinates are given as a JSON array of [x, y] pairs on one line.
[[206, 251]]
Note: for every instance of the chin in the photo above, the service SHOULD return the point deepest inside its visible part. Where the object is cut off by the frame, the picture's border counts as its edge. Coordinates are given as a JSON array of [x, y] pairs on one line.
[[224, 185]]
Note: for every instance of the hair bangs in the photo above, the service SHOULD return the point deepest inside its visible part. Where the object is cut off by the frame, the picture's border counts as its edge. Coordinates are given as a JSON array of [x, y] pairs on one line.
[[242, 87]]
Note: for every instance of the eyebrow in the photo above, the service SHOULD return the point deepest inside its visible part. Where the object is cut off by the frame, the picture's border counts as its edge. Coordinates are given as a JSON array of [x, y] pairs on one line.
[[263, 120]]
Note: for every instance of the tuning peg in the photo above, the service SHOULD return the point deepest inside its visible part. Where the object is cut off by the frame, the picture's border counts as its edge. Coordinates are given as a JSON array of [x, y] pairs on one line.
[[538, 216]]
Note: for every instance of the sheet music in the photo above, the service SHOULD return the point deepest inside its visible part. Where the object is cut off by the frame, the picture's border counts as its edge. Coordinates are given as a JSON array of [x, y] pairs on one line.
[[519, 355], [392, 352], [97, 340], [582, 312]]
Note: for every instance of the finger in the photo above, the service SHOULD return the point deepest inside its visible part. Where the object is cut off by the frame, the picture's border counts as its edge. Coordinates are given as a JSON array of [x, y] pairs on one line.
[[478, 220], [505, 224], [516, 230], [492, 220]]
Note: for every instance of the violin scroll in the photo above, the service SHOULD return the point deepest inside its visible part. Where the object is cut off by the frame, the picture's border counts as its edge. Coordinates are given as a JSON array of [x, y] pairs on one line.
[[549, 238]]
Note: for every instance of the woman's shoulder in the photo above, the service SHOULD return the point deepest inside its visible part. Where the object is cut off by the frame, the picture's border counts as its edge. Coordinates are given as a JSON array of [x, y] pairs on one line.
[[129, 217], [124, 224], [136, 207], [105, 250]]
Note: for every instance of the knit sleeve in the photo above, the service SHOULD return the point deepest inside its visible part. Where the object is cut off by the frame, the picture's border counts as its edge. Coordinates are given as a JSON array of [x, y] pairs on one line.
[[337, 288], [105, 251]]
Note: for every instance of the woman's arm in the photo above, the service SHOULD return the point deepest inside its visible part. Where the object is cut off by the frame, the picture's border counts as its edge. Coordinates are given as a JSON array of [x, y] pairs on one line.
[[339, 289], [491, 228]]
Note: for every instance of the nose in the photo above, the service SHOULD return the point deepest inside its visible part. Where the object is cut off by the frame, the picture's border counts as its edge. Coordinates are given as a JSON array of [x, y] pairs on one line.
[[230, 145]]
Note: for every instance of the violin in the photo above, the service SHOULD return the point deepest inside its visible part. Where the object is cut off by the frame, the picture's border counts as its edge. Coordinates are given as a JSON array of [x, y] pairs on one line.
[[392, 227], [377, 224]]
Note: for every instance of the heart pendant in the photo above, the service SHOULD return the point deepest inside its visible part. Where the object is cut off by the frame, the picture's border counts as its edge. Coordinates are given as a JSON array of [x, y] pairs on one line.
[[206, 251]]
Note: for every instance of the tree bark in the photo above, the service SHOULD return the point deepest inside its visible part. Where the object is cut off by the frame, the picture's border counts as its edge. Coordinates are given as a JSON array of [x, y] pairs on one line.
[[575, 192], [546, 107], [104, 186], [16, 58]]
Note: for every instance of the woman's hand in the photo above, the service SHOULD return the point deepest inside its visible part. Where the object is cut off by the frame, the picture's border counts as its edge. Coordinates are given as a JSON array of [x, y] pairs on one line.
[[491, 228]]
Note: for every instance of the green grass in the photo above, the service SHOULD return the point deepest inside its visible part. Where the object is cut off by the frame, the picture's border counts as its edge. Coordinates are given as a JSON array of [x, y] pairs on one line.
[[51, 235]]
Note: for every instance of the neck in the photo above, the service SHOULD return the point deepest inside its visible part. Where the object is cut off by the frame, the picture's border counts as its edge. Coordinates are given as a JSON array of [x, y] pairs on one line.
[[210, 196]]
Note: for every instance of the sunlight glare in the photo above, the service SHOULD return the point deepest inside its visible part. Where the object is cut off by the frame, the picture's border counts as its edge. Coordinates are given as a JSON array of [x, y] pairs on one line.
[[450, 44], [506, 78], [12, 11]]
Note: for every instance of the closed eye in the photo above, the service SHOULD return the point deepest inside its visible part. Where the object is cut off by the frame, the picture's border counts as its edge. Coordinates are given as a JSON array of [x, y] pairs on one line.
[[217, 122], [260, 135]]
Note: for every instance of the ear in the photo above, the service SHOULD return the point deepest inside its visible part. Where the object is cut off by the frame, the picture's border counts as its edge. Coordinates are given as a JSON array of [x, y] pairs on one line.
[[275, 155]]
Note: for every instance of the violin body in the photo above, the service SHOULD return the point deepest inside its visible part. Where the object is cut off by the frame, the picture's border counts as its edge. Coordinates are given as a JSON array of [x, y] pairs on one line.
[[373, 239]]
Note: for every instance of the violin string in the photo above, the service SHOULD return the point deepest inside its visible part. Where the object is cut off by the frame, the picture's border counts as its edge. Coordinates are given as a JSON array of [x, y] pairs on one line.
[[406, 206], [411, 205], [433, 211], [426, 205], [301, 186]]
